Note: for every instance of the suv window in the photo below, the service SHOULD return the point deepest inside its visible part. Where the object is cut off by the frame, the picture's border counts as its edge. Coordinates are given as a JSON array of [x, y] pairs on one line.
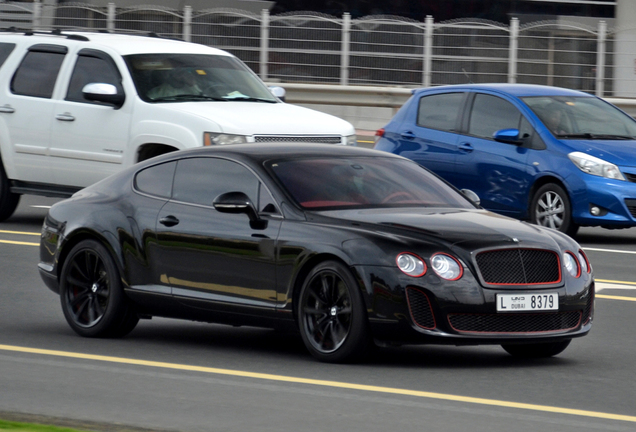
[[201, 180], [37, 74], [439, 111], [490, 114], [156, 180], [5, 50], [90, 69]]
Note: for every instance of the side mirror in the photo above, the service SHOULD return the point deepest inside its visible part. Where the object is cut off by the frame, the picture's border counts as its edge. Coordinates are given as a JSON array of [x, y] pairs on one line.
[[279, 92], [508, 136], [472, 196], [239, 203], [105, 93]]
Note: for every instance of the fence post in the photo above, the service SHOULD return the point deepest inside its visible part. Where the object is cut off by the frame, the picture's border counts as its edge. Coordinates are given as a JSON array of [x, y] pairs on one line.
[[110, 17], [187, 23], [428, 52], [600, 58], [514, 46], [345, 48], [37, 15], [264, 44]]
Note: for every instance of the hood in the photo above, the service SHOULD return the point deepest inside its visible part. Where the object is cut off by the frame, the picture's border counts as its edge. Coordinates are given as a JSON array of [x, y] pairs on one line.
[[618, 152], [260, 118], [467, 229]]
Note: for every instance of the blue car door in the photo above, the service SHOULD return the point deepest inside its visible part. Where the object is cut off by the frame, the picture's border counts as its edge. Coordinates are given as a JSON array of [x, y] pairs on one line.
[[498, 172], [429, 133]]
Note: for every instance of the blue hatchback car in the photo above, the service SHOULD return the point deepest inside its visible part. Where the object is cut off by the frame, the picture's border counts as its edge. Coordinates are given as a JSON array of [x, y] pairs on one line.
[[557, 157]]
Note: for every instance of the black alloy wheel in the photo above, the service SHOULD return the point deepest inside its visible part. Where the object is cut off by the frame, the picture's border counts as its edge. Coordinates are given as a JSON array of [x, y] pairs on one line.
[[8, 200], [538, 350], [551, 208], [331, 314], [91, 293]]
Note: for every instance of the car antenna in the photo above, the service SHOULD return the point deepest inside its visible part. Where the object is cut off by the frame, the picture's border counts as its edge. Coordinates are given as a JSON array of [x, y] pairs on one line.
[[466, 74]]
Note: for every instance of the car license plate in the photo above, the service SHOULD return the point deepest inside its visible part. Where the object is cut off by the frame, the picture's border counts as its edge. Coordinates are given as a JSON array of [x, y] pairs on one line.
[[524, 302]]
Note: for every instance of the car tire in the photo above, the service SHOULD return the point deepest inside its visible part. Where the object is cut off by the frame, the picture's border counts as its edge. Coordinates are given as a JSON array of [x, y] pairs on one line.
[[91, 293], [331, 314], [551, 208], [540, 350], [8, 200]]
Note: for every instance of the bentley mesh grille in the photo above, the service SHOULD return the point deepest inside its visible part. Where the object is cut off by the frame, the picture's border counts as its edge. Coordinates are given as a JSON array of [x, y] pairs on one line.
[[420, 308], [515, 323], [321, 139], [589, 307], [519, 267]]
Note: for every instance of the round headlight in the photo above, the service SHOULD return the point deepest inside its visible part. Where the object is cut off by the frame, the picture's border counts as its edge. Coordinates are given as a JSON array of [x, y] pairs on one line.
[[571, 264], [446, 267], [585, 265], [411, 264]]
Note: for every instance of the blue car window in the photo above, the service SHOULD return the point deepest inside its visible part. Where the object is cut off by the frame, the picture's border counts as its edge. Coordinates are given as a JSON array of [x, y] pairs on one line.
[[491, 114], [439, 111]]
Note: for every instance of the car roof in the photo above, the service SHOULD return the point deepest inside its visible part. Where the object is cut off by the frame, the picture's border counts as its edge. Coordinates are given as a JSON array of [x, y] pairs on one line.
[[261, 152], [518, 90], [122, 44]]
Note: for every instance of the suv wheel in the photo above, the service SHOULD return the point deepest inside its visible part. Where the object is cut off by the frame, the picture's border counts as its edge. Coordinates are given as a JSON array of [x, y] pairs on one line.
[[551, 208], [8, 200]]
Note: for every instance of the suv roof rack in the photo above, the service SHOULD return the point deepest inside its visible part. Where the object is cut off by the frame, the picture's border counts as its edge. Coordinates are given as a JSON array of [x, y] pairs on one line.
[[54, 32]]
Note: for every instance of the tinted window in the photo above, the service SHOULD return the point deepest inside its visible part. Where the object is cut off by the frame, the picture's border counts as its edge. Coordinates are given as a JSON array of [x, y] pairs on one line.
[[88, 70], [439, 111], [490, 114], [156, 180], [201, 180], [364, 182], [37, 73], [5, 50]]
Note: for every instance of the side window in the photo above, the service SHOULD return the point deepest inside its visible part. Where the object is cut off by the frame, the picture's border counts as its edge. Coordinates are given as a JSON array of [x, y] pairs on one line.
[[5, 50], [490, 114], [37, 73], [201, 180], [156, 180], [439, 111], [89, 69]]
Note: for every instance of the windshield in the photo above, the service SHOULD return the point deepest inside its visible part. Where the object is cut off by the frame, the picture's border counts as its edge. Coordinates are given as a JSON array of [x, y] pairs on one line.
[[195, 77], [582, 117], [365, 182]]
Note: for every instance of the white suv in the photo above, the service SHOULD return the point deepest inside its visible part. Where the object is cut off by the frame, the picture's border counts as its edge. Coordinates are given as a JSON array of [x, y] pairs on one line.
[[77, 107]]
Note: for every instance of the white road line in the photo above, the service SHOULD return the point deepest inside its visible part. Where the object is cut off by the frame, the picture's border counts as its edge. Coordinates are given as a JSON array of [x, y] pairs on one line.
[[41, 206], [602, 285], [609, 250]]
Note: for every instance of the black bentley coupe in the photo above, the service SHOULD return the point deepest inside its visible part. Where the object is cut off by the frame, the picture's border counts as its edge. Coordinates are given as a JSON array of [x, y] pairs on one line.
[[352, 247]]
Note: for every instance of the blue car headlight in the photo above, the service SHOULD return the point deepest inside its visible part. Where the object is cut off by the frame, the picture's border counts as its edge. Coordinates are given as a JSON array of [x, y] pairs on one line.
[[595, 166]]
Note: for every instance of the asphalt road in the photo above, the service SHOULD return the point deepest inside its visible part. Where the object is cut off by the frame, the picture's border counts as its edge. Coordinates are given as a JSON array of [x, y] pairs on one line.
[[175, 375]]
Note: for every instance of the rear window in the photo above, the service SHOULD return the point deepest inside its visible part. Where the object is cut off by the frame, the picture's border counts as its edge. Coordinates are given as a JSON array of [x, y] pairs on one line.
[[439, 111], [366, 182]]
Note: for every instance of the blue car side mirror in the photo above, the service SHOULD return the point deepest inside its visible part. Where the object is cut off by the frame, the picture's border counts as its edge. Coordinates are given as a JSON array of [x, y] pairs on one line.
[[508, 136]]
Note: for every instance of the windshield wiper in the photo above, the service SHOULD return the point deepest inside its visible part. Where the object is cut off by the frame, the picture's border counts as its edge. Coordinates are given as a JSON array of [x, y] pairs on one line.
[[591, 136], [188, 97], [248, 99]]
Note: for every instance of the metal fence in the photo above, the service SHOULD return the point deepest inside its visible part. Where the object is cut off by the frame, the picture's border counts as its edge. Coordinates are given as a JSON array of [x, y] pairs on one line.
[[376, 50]]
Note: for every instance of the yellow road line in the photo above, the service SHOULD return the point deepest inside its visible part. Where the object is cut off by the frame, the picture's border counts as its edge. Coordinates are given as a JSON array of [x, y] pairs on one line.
[[19, 243], [366, 142], [610, 297], [616, 282], [20, 232], [323, 383]]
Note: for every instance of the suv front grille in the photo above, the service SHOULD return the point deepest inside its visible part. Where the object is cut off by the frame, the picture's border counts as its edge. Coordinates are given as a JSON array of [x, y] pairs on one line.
[[519, 267], [320, 139]]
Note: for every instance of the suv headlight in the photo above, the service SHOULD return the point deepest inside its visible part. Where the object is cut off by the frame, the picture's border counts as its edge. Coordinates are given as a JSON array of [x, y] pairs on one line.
[[595, 166], [210, 139], [351, 140]]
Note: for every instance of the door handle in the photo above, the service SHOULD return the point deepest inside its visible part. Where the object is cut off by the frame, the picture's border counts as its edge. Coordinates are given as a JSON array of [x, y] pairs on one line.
[[7, 109], [408, 135], [169, 221], [65, 117], [466, 147]]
